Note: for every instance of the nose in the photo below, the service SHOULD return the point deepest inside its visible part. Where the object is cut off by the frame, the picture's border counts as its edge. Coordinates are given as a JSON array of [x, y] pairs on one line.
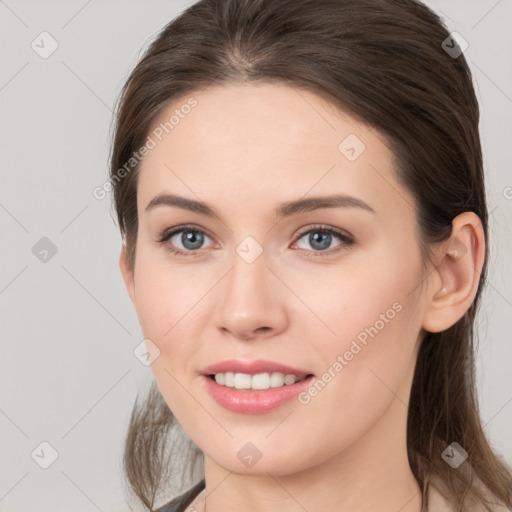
[[251, 301]]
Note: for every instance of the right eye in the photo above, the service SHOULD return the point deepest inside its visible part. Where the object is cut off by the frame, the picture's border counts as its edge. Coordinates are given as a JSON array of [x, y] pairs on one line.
[[190, 237]]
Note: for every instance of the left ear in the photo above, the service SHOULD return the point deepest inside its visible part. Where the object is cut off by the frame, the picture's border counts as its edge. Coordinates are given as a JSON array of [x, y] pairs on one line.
[[454, 280]]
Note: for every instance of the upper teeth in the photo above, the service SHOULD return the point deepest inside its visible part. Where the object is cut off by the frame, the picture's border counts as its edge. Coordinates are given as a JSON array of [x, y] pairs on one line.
[[258, 381]]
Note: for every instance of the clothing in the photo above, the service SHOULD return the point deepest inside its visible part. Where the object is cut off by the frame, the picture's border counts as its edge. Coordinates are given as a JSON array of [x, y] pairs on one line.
[[436, 502], [181, 502]]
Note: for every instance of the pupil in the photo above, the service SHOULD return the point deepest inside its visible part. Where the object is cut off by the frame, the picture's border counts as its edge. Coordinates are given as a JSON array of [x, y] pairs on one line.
[[194, 237], [326, 240]]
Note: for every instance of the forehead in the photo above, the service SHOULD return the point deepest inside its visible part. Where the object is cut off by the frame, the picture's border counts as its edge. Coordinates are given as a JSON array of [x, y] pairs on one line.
[[264, 143]]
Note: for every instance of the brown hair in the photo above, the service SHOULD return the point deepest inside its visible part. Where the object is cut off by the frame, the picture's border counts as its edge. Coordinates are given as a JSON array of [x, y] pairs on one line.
[[381, 61]]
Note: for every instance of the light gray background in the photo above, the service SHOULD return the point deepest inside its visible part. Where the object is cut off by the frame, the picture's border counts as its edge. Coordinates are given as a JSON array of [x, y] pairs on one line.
[[68, 373]]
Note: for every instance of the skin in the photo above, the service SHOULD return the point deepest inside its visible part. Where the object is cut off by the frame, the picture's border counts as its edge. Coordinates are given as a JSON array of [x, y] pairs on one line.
[[244, 150]]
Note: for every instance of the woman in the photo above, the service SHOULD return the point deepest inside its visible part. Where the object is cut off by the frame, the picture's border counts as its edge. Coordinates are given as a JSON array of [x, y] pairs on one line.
[[300, 191]]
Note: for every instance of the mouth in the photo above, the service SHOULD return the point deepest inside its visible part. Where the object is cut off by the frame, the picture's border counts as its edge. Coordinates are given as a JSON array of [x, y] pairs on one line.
[[255, 393], [256, 382]]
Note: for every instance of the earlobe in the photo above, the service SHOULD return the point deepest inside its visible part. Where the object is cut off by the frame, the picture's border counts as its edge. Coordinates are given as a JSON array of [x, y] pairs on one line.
[[127, 273], [455, 279]]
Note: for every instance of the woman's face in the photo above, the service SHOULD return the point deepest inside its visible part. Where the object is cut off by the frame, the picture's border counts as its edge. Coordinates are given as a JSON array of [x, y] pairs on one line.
[[262, 285]]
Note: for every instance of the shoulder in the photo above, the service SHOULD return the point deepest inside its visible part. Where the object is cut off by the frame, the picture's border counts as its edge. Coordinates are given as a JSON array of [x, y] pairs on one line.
[[438, 501], [180, 503]]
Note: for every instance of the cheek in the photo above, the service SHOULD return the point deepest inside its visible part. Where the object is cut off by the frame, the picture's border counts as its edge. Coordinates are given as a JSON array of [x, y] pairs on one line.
[[168, 296], [365, 368], [369, 323], [362, 299], [168, 310]]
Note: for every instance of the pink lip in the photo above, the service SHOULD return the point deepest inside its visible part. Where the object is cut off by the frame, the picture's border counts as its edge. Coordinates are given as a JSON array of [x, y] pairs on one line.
[[252, 367], [252, 401]]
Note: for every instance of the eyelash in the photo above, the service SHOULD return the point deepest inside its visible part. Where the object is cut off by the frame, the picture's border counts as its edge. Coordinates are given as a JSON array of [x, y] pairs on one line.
[[347, 240]]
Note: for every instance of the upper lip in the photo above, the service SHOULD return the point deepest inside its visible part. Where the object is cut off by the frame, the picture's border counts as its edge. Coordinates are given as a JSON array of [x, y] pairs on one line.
[[252, 367]]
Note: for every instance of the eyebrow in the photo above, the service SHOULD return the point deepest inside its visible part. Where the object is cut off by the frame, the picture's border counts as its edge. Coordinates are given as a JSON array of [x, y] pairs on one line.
[[283, 210]]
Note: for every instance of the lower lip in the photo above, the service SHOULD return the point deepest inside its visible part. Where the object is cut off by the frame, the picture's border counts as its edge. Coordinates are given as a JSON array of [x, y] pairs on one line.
[[254, 402]]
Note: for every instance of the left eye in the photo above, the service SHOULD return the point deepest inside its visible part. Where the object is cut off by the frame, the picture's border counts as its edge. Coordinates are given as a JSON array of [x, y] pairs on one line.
[[320, 238]]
